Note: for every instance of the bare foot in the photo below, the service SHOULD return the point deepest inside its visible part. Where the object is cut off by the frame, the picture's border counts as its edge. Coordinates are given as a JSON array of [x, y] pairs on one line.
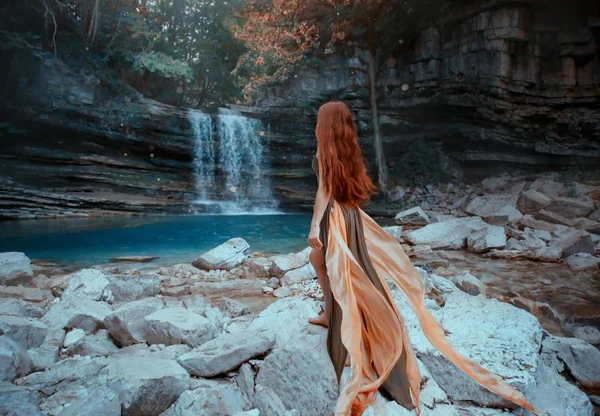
[[322, 320]]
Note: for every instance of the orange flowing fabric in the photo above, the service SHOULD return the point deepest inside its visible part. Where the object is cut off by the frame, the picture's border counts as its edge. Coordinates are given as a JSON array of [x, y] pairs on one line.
[[372, 329]]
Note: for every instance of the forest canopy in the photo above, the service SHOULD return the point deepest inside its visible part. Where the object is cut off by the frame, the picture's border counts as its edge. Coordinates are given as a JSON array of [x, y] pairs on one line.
[[202, 53]]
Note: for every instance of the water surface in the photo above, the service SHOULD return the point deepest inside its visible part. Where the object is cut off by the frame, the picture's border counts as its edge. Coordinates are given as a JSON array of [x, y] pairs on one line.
[[172, 238]]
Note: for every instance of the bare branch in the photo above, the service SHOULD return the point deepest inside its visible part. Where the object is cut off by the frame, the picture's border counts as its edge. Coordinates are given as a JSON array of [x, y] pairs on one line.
[[49, 12]]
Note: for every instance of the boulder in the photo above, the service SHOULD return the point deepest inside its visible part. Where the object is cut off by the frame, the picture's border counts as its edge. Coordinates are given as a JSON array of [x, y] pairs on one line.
[[232, 307], [241, 287], [571, 208], [100, 401], [529, 221], [14, 359], [500, 337], [413, 216], [29, 294], [156, 351], [27, 332], [209, 398], [448, 234], [14, 265], [47, 354], [395, 231], [293, 372], [468, 283], [256, 268], [19, 401], [225, 256], [77, 312], [292, 310], [97, 345], [552, 217], [495, 184], [580, 358], [13, 307], [486, 239], [79, 371], [532, 201], [89, 283], [573, 242], [582, 261], [245, 380], [146, 388], [126, 324], [286, 262], [73, 336], [177, 326], [133, 287], [282, 292], [547, 187], [226, 352], [494, 209], [588, 225], [298, 275]]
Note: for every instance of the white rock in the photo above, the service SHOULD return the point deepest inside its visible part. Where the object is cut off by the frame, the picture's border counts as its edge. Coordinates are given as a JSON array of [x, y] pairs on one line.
[[293, 371], [486, 239], [14, 265], [573, 242], [47, 354], [571, 208], [582, 261], [77, 312], [226, 352], [233, 308], [101, 401], [267, 289], [268, 402], [496, 183], [245, 380], [468, 283], [547, 187], [253, 412], [73, 336], [298, 275], [493, 209], [448, 234], [177, 326], [243, 287], [395, 231], [13, 307], [500, 337], [25, 331], [293, 311], [209, 398], [554, 396], [90, 283], [128, 288], [225, 256], [282, 292], [81, 371], [14, 359], [286, 262], [413, 216], [146, 388], [97, 345], [581, 359], [126, 324], [17, 400], [532, 201]]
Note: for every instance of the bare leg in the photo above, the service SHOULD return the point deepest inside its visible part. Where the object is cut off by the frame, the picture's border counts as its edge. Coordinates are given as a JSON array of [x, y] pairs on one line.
[[318, 263]]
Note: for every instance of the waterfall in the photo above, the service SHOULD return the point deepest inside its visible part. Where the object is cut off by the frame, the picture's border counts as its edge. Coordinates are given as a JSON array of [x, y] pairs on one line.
[[245, 187], [242, 158], [204, 153]]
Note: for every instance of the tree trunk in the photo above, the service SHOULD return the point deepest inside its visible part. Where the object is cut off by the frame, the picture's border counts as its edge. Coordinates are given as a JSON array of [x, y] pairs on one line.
[[382, 171]]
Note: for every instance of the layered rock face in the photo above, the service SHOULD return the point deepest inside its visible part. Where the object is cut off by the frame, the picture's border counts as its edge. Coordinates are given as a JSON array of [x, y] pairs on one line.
[[495, 86]]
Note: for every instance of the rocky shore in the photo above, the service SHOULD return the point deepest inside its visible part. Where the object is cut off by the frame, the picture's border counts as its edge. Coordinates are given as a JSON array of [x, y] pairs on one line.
[[228, 334]]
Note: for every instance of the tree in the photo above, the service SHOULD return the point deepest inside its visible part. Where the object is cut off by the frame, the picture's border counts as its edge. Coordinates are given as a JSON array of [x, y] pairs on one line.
[[280, 33]]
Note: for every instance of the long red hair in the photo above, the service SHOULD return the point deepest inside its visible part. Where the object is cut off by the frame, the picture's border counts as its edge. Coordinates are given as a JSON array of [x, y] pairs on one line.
[[341, 165]]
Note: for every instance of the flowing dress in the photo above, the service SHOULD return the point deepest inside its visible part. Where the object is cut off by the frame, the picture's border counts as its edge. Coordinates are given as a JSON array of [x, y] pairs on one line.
[[365, 323]]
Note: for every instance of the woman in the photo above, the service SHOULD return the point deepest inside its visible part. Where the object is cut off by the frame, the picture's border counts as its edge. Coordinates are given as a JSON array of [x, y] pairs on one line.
[[352, 256]]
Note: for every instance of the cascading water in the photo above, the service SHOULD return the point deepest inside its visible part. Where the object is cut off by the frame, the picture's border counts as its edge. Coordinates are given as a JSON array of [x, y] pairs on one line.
[[245, 187], [204, 153], [241, 156]]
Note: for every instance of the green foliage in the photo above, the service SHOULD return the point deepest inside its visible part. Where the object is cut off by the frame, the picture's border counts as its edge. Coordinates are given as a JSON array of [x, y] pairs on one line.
[[420, 165], [163, 65]]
